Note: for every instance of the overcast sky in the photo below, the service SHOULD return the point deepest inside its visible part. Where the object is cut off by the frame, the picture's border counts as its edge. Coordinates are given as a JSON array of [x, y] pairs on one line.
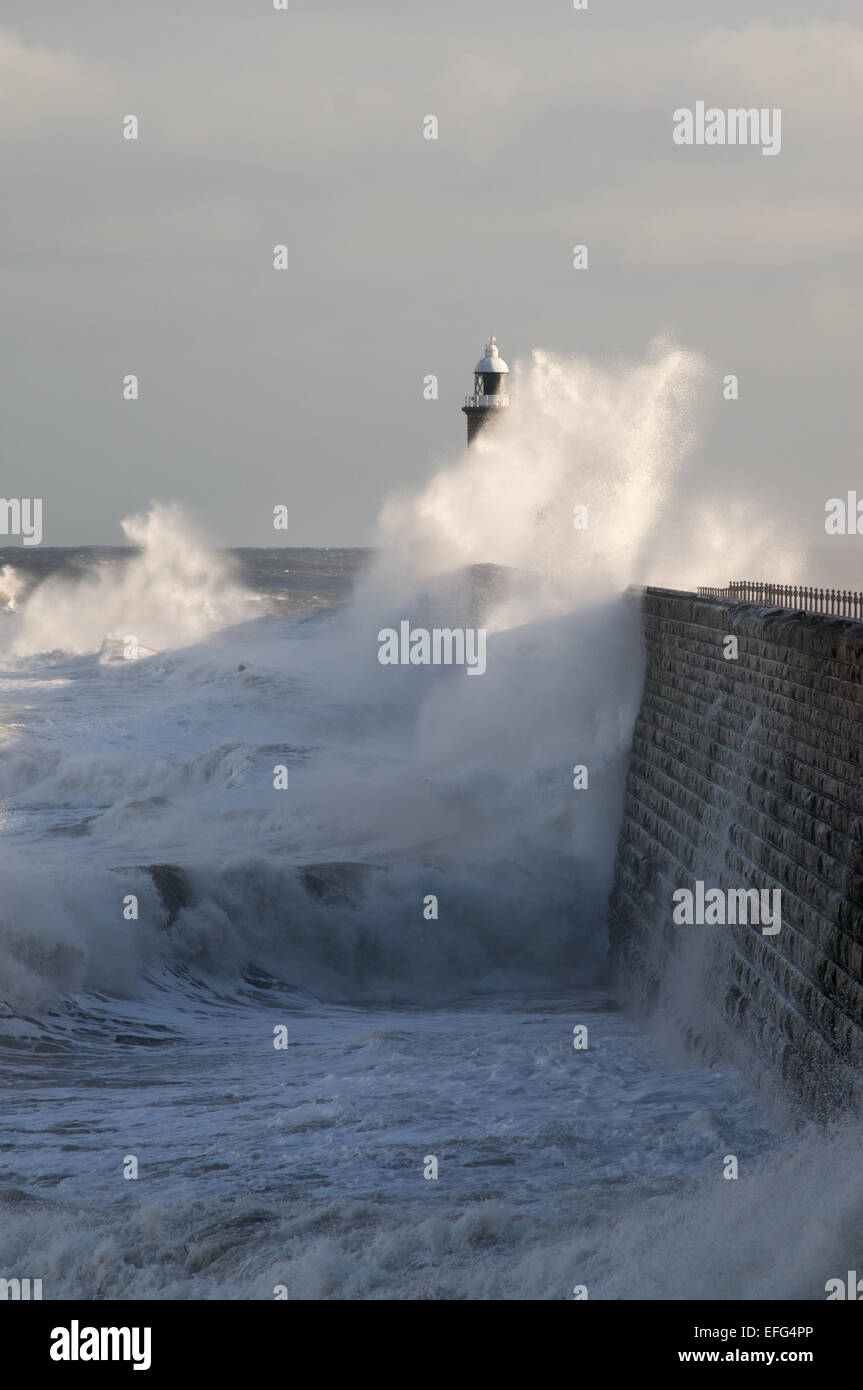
[[306, 128]]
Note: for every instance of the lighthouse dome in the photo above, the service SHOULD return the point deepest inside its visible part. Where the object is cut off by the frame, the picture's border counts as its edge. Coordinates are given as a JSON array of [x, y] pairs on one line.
[[492, 362]]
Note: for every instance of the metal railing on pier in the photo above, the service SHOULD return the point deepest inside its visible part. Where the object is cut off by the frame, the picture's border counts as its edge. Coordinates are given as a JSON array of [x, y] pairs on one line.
[[841, 603]]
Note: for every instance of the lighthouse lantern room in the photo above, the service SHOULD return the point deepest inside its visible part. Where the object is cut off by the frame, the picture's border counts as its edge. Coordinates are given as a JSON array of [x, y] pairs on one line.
[[490, 390]]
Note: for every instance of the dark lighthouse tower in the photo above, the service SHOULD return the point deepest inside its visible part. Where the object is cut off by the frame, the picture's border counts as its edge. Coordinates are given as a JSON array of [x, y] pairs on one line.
[[490, 390]]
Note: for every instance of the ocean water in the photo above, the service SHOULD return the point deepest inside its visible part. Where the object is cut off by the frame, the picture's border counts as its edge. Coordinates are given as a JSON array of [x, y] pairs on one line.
[[223, 824], [407, 1038]]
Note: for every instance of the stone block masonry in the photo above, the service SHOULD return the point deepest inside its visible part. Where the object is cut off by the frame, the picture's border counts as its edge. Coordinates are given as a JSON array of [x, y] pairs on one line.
[[745, 772]]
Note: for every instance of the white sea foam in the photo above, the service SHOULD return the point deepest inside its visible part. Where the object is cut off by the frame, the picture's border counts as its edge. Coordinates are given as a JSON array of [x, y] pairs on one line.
[[403, 783], [460, 788], [172, 593]]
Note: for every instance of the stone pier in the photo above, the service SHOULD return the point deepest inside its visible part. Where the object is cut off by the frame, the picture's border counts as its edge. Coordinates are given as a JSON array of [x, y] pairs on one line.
[[746, 773]]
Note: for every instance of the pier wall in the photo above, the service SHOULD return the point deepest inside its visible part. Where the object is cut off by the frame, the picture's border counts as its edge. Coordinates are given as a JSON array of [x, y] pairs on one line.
[[746, 773]]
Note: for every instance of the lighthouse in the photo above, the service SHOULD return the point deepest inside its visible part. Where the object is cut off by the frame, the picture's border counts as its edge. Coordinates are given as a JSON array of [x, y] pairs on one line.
[[490, 390]]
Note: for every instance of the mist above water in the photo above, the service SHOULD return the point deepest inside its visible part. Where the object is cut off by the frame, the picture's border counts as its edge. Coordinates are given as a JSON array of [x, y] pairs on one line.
[[171, 593], [419, 772], [617, 442], [404, 782]]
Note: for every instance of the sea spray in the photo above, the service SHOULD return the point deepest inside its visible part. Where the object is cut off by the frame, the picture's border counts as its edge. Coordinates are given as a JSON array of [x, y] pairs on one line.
[[407, 768], [587, 484], [302, 1169], [172, 592]]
